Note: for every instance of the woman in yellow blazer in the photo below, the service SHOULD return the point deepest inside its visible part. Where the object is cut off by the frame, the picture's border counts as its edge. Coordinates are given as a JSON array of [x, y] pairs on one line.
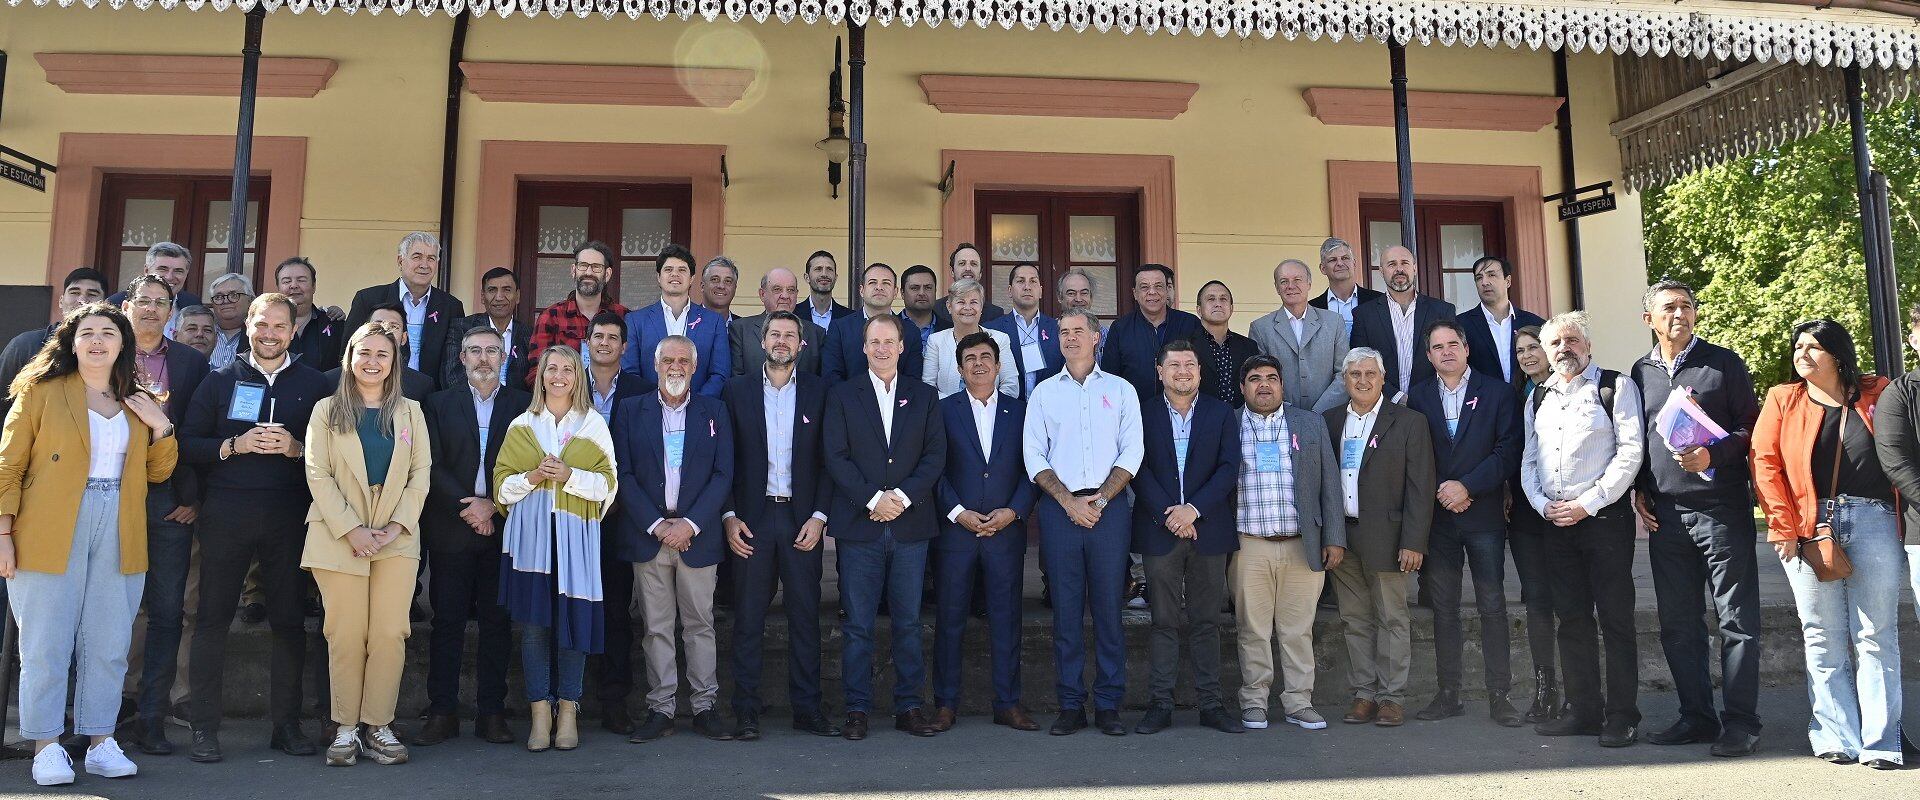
[[369, 467], [81, 443]]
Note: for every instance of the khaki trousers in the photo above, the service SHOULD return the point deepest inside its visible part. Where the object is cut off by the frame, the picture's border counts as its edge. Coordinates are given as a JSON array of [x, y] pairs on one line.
[[670, 590], [366, 626], [1373, 607], [1275, 592]]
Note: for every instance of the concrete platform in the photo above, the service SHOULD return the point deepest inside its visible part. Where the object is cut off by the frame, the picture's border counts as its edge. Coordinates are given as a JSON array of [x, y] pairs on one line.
[[1782, 661]]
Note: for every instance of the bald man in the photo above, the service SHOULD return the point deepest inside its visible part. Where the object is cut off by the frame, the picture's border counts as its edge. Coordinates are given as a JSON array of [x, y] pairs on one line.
[[1392, 324], [779, 291]]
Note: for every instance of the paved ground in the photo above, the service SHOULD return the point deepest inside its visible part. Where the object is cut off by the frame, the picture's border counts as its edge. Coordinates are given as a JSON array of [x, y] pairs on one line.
[[1462, 758]]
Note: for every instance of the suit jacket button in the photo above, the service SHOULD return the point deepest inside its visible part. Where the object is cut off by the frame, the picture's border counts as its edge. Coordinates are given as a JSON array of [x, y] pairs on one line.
[[56, 456]]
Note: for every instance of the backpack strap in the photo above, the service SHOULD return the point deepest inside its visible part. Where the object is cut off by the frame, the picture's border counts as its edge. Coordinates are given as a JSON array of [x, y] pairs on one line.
[[1609, 380]]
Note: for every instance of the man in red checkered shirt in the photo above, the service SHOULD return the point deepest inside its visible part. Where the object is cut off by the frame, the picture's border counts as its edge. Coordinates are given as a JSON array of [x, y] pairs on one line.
[[566, 322]]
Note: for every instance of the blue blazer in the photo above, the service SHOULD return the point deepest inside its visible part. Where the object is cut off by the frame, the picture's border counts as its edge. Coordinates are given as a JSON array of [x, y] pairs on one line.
[[708, 330], [706, 476], [1049, 347], [1213, 476], [862, 462], [1002, 481], [1482, 356], [1482, 454], [1131, 344], [812, 491], [846, 357]]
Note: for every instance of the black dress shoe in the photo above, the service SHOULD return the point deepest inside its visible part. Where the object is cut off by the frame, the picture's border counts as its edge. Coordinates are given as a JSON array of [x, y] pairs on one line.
[[1836, 758], [1158, 718], [1220, 720], [1445, 704], [253, 613], [709, 724], [816, 724], [747, 726], [288, 738], [1883, 763], [1618, 733], [914, 721], [493, 728], [206, 747], [1685, 731], [1569, 724], [153, 737], [1502, 711], [439, 728], [656, 726], [1735, 743], [856, 727], [1070, 720], [1108, 722], [615, 719]]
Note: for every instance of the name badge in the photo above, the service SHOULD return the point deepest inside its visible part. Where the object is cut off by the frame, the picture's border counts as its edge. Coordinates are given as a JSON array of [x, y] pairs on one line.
[[1180, 450], [1266, 456], [246, 401], [1030, 353], [676, 448], [1350, 450]]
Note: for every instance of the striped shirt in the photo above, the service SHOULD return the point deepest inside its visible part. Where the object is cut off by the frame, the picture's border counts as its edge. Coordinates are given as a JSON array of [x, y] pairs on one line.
[[1266, 506]]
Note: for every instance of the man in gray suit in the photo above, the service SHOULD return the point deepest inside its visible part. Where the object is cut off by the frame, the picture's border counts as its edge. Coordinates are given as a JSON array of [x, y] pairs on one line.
[[779, 291], [1386, 468], [1291, 532], [1309, 343]]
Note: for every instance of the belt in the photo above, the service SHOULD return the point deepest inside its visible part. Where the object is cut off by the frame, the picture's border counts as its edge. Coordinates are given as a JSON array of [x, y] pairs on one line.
[[1086, 492], [1278, 537], [779, 498]]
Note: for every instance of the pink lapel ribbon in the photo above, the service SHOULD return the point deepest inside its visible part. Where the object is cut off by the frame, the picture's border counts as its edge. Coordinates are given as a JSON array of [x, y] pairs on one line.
[[1474, 402], [1043, 335], [327, 331], [804, 420], [434, 315], [711, 430], [1106, 403], [903, 402], [1296, 443], [695, 323], [406, 436], [1374, 442]]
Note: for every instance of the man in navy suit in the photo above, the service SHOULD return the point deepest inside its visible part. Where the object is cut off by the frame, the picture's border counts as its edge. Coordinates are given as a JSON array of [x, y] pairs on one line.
[[1392, 324], [883, 516], [1133, 343], [677, 315], [430, 313], [1489, 326], [675, 455], [609, 387], [823, 277], [846, 357], [1474, 420], [1183, 523], [776, 520], [981, 535], [1035, 336]]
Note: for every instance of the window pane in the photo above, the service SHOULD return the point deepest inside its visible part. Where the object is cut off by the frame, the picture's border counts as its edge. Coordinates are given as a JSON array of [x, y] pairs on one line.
[[1459, 289], [1106, 289], [639, 285], [561, 229], [1380, 236], [220, 222], [132, 262], [552, 279], [644, 231], [1092, 239], [1016, 237], [148, 222], [1460, 246]]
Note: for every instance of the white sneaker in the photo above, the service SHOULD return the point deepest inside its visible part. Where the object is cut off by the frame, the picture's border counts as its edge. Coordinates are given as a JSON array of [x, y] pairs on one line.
[[1308, 718], [1254, 718], [107, 760], [52, 766]]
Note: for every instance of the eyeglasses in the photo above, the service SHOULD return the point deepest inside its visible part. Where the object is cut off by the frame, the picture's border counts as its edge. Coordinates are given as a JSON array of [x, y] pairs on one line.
[[477, 350], [151, 302], [224, 298], [590, 266]]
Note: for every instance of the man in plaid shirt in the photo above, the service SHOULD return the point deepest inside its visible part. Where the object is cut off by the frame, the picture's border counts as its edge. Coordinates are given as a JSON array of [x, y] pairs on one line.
[[566, 322], [1292, 530]]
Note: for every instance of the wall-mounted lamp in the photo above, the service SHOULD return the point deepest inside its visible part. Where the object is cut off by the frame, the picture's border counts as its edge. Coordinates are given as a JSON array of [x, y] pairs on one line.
[[837, 146]]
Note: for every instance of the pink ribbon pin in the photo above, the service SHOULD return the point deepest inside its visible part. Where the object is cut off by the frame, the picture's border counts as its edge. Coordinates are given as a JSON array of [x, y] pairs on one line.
[[903, 402], [1106, 403], [711, 430], [328, 331], [1374, 442], [406, 436], [1473, 402], [433, 315], [1043, 335], [804, 420], [695, 323], [1296, 442]]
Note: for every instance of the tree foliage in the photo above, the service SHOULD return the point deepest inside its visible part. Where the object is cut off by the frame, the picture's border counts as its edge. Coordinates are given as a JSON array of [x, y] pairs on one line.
[[1773, 239]]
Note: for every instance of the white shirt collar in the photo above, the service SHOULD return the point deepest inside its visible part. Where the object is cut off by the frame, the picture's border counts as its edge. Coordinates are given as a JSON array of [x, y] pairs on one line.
[[993, 399], [1370, 414], [1497, 320], [285, 361], [884, 387], [406, 295]]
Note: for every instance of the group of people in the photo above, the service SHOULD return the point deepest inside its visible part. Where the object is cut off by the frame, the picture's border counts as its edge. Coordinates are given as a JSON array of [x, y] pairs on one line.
[[553, 475]]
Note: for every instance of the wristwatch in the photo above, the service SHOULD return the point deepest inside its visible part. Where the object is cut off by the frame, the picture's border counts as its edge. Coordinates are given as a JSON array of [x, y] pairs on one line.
[[1099, 503]]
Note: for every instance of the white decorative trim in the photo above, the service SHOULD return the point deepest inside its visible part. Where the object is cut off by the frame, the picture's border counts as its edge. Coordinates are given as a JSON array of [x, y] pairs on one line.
[[1721, 29]]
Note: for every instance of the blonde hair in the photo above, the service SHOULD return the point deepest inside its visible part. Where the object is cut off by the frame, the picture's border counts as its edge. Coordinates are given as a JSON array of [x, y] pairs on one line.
[[582, 396], [344, 416]]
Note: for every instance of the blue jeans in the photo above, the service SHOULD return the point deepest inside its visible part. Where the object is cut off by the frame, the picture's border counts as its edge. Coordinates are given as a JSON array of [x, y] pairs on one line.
[[80, 619], [538, 666], [868, 569], [1088, 570], [1856, 699], [169, 553], [1449, 552]]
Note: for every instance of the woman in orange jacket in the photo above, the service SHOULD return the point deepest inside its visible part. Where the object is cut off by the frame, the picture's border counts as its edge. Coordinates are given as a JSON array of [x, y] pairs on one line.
[[1817, 475]]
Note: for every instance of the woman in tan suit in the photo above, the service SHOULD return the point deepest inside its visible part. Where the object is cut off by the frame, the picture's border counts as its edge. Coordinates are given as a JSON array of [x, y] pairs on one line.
[[73, 530], [369, 466]]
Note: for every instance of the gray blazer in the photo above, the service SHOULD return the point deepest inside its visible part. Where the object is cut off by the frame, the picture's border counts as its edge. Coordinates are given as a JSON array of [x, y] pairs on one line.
[[1396, 486], [744, 335], [1309, 370], [1317, 493]]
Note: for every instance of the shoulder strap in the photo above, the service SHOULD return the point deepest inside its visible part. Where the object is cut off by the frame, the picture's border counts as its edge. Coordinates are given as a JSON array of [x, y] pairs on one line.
[[1608, 380], [1839, 452], [1539, 396]]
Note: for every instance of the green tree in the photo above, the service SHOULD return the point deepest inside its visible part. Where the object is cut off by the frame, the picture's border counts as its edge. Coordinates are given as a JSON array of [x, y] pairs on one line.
[[1773, 239]]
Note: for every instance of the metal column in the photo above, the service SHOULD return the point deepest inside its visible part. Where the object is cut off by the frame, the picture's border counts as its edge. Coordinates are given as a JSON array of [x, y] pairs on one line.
[[856, 161], [1403, 147], [243, 141], [1882, 292], [1563, 123]]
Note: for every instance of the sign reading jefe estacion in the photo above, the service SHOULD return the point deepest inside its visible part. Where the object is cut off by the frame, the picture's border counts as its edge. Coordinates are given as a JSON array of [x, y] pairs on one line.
[[32, 174]]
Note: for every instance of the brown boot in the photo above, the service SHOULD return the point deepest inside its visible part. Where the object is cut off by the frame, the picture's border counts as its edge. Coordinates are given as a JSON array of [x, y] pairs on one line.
[[566, 729], [540, 737], [1363, 712]]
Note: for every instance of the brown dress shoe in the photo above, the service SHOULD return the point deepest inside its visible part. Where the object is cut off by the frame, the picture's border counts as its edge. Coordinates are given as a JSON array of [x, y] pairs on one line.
[[1391, 715], [1362, 712], [439, 728], [914, 721], [856, 727], [943, 719], [1015, 718]]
